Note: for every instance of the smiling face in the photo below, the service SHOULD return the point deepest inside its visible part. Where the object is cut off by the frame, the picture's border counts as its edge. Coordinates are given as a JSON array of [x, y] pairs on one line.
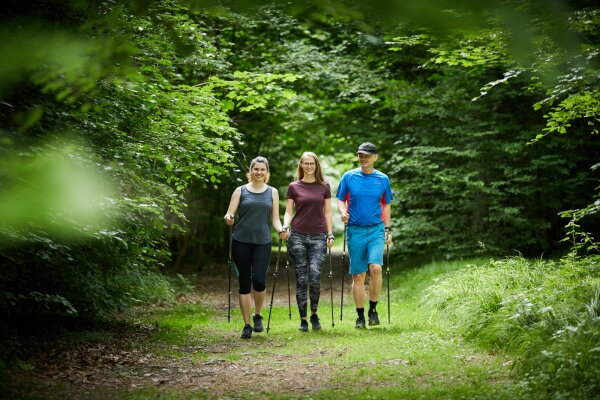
[[259, 172], [367, 160], [308, 165]]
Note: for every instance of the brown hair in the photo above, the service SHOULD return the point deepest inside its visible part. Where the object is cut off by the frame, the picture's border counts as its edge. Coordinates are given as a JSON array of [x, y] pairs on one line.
[[259, 159], [318, 173]]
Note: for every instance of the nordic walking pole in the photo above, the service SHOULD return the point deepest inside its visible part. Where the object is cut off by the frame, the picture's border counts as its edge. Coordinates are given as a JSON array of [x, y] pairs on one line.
[[331, 286], [274, 280], [287, 271], [229, 263], [387, 273], [343, 262]]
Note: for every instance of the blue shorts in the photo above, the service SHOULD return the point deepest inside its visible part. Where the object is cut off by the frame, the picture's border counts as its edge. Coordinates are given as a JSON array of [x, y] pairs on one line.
[[365, 246]]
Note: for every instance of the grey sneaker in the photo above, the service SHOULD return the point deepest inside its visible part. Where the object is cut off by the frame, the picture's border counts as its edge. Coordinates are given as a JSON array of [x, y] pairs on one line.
[[360, 323], [247, 331], [373, 318], [258, 325], [314, 320], [303, 325]]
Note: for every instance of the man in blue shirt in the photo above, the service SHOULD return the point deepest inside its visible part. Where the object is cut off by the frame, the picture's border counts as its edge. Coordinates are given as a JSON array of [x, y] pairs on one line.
[[364, 197]]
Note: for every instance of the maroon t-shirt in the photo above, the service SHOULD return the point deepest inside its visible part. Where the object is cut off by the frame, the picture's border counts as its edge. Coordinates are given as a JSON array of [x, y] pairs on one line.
[[309, 200]]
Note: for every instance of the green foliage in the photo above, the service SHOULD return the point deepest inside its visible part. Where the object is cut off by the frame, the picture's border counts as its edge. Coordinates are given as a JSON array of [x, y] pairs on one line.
[[568, 363], [126, 126], [573, 97], [581, 242], [455, 163], [543, 312], [464, 182], [456, 194], [85, 224], [55, 186], [585, 105], [64, 63], [250, 91]]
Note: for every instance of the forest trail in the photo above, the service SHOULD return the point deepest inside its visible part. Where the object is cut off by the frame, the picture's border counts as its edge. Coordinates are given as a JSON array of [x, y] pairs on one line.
[[190, 351]]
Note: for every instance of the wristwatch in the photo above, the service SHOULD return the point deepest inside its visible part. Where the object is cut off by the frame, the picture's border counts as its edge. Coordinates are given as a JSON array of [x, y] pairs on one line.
[[330, 236]]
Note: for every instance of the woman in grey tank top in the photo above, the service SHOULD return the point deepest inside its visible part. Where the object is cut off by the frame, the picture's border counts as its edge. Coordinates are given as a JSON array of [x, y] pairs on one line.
[[257, 207]]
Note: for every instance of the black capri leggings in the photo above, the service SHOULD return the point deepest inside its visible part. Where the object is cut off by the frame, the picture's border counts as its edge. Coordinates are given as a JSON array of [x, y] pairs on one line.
[[251, 264]]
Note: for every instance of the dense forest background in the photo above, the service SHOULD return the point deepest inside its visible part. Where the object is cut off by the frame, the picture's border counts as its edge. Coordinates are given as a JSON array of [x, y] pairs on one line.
[[125, 127]]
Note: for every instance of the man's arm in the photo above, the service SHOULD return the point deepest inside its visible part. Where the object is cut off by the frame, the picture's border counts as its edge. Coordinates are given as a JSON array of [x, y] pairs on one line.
[[387, 220], [387, 215], [343, 209]]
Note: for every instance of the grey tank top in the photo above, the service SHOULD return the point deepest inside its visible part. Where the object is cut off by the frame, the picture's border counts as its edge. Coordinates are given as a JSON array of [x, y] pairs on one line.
[[254, 217]]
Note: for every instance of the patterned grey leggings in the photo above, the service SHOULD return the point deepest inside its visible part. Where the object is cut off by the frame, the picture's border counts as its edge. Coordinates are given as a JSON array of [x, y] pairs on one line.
[[307, 253]]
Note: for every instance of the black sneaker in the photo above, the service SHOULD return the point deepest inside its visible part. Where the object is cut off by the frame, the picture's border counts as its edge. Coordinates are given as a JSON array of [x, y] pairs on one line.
[[303, 325], [314, 320], [373, 318], [258, 326], [247, 331], [360, 323]]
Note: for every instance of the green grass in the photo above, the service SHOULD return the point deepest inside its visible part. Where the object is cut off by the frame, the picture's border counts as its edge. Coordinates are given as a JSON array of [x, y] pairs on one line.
[[477, 329], [416, 356], [544, 313]]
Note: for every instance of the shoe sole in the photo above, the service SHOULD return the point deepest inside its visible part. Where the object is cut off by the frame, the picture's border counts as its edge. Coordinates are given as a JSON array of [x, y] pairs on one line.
[[259, 330]]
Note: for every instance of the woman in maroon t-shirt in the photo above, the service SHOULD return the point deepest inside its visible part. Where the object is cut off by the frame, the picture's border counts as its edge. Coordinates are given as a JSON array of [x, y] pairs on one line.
[[311, 233]]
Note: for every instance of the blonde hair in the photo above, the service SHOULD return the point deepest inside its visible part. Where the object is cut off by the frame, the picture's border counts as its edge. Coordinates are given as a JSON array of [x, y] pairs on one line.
[[259, 159], [318, 173]]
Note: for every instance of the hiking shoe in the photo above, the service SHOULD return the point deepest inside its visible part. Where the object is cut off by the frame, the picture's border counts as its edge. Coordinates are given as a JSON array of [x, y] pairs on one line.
[[314, 320], [373, 318], [303, 325], [360, 323], [247, 331], [258, 326]]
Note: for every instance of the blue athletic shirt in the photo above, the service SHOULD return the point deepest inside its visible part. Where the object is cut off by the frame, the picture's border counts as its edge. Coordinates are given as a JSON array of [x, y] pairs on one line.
[[365, 194]]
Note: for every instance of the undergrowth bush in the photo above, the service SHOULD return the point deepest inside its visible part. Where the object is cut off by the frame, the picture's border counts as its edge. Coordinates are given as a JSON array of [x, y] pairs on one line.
[[546, 313], [47, 285]]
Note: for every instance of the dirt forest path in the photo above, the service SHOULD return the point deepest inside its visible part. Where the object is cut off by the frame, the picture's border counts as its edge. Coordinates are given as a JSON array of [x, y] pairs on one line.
[[191, 353], [93, 370]]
